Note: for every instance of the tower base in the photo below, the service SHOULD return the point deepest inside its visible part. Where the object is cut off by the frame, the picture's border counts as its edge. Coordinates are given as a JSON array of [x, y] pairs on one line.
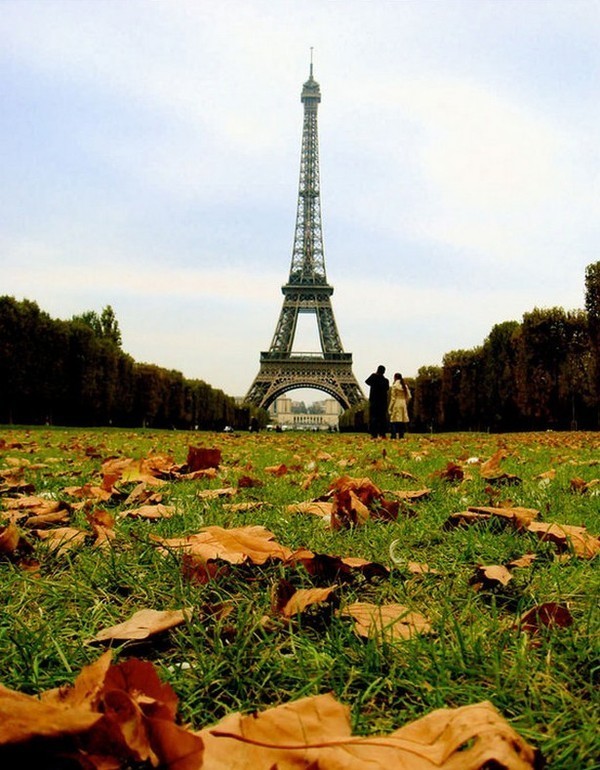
[[331, 373]]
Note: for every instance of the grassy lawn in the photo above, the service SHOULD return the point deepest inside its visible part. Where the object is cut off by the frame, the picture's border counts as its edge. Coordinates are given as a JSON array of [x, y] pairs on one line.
[[235, 653]]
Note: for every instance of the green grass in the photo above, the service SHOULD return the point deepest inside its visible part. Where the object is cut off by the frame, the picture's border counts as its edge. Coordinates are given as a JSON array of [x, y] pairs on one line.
[[546, 686]]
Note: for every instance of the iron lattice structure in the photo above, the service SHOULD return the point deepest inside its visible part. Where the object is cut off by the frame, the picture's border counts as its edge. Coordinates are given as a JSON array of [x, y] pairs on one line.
[[307, 291]]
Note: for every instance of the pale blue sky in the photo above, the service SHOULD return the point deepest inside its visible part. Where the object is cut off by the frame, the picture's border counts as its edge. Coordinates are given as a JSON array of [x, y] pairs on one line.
[[150, 159]]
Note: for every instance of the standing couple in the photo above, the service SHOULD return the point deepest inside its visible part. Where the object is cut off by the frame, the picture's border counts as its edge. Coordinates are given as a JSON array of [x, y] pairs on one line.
[[385, 401]]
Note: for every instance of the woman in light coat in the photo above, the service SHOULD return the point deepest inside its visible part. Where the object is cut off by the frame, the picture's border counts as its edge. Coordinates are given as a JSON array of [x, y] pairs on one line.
[[398, 406]]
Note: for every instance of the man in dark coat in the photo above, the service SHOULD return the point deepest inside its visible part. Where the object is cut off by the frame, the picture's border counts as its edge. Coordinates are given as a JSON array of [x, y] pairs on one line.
[[378, 398]]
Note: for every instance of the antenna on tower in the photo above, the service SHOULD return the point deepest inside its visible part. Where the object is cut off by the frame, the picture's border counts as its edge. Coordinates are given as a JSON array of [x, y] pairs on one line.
[[311, 62]]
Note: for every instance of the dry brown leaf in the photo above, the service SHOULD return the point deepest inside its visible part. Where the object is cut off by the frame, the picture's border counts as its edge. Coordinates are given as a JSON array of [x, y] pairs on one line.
[[354, 499], [582, 487], [567, 537], [141, 625], [47, 519], [142, 495], [114, 716], [315, 733], [213, 494], [452, 472], [148, 470], [206, 473], [243, 507], [238, 545], [418, 568], [387, 621], [277, 470], [158, 511], [200, 571], [62, 539], [89, 492], [410, 494], [465, 518], [491, 466], [490, 575], [502, 478], [201, 458], [312, 507], [546, 615], [520, 517], [246, 482], [546, 475], [9, 539], [523, 561], [330, 568], [292, 602]]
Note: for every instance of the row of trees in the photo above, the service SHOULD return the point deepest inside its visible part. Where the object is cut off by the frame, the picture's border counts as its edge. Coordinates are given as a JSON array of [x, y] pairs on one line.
[[75, 373], [540, 373]]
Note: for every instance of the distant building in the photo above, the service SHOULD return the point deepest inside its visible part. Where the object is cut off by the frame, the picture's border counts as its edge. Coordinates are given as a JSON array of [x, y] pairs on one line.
[[283, 412]]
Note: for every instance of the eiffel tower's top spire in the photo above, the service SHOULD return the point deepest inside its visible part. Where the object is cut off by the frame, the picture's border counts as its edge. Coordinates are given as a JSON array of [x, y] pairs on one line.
[[311, 91]]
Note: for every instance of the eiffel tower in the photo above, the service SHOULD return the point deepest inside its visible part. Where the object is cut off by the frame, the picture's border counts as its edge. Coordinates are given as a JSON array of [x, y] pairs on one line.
[[307, 291]]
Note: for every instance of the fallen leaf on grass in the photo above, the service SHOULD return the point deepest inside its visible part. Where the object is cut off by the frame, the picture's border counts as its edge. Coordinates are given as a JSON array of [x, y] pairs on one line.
[[212, 494], [247, 482], [202, 571], [502, 478], [243, 507], [158, 511], [141, 625], [148, 470], [289, 602], [492, 465], [356, 500], [518, 515], [114, 716], [237, 545], [329, 568], [47, 519], [567, 537], [102, 524], [315, 733], [418, 568], [9, 538], [465, 518], [490, 576], [62, 539], [35, 506], [89, 492], [142, 495], [452, 472], [547, 615], [546, 475], [583, 487], [523, 561], [201, 458], [277, 470], [312, 507], [410, 494], [387, 621]]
